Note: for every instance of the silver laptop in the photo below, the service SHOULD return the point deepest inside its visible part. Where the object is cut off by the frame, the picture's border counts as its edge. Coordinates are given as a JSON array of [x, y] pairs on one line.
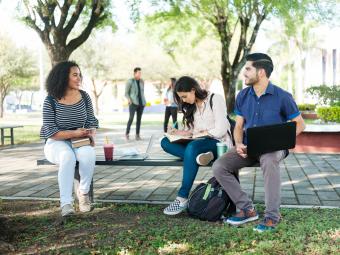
[[139, 156]]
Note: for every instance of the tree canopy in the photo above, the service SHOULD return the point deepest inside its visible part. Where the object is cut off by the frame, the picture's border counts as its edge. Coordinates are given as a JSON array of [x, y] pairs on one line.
[[17, 68], [65, 25], [236, 24]]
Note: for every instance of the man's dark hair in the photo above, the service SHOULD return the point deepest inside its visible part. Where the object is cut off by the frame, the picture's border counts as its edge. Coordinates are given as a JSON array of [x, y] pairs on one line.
[[57, 79], [261, 60], [137, 69]]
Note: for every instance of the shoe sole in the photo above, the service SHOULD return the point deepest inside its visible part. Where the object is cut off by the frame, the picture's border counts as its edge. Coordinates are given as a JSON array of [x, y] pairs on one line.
[[237, 223], [206, 158], [261, 231], [67, 214], [173, 213]]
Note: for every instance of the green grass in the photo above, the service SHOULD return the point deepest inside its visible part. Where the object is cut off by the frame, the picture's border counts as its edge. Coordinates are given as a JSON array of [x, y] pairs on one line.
[[143, 229]]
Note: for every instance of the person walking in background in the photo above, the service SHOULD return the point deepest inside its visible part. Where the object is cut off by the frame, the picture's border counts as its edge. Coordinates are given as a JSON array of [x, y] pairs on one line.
[[261, 103], [134, 92], [171, 108], [67, 114], [200, 119]]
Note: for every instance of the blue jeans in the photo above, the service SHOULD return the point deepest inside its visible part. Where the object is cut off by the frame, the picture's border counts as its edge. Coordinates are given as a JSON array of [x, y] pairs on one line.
[[188, 153]]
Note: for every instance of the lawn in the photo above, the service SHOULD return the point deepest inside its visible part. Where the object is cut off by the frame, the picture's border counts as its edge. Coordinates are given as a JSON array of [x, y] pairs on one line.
[[34, 227], [32, 123]]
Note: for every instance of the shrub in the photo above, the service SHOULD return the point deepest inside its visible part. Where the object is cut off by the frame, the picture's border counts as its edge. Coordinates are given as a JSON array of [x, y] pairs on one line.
[[329, 113], [306, 107], [336, 103], [328, 95]]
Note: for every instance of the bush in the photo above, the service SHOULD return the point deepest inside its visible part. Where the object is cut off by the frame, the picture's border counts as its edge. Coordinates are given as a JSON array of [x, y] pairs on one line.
[[328, 95], [306, 107], [329, 113], [336, 103]]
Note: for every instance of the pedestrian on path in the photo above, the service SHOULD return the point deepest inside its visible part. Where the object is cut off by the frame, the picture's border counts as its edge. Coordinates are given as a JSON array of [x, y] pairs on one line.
[[67, 114], [134, 92], [171, 108], [261, 103], [198, 118]]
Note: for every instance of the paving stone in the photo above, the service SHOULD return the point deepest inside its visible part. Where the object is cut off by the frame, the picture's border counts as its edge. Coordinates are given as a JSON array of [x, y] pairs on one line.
[[45, 193], [288, 194], [308, 200], [331, 203], [324, 188], [319, 181], [155, 197], [24, 193], [289, 201], [304, 191], [328, 195]]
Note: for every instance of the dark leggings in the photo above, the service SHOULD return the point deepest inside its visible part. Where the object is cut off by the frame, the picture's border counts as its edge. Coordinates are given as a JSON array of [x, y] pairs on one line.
[[170, 110]]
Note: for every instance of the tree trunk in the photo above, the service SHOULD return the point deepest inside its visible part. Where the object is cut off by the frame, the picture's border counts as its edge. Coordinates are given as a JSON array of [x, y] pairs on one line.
[[95, 94], [57, 54], [2, 107], [3, 94]]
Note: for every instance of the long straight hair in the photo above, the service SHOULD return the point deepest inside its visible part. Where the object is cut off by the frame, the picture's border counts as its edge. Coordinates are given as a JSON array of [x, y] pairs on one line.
[[186, 84]]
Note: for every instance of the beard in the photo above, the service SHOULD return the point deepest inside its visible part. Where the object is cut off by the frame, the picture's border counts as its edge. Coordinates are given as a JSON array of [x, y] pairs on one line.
[[251, 81]]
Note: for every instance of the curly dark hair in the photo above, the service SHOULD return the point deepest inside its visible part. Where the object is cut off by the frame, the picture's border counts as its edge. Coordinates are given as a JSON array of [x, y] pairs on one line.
[[186, 84], [57, 79]]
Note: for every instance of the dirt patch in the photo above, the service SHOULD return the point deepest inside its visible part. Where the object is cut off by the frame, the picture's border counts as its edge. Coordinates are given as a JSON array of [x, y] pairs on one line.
[[37, 227]]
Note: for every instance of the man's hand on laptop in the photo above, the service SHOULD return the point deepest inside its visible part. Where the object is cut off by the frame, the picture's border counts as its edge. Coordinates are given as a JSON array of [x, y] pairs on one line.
[[241, 150]]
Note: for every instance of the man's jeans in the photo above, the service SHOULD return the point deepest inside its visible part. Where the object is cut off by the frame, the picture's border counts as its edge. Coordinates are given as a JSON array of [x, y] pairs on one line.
[[132, 109], [230, 163], [188, 152]]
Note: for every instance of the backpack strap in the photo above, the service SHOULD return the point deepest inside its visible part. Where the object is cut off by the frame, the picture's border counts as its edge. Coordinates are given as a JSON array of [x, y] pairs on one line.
[[83, 95], [211, 102], [52, 102]]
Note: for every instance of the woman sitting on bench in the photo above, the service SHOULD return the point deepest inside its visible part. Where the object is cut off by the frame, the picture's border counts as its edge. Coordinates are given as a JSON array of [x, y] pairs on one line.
[[199, 118], [67, 114]]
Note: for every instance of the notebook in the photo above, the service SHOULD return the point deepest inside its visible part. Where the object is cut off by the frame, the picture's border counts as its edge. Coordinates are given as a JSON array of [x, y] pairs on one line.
[[139, 156], [271, 138]]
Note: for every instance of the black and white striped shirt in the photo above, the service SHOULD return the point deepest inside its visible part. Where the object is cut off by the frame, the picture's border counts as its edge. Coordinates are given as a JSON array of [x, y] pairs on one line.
[[67, 117]]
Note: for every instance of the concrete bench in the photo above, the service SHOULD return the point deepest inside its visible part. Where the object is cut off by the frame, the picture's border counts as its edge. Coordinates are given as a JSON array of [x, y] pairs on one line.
[[11, 136], [167, 161], [150, 161]]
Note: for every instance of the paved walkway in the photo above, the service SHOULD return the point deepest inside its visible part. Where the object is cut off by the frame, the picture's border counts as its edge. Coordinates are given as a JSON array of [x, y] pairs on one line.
[[307, 179]]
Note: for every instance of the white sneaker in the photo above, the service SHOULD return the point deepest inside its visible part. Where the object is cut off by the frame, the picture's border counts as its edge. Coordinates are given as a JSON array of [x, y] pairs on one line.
[[176, 207], [84, 202], [67, 210], [204, 159]]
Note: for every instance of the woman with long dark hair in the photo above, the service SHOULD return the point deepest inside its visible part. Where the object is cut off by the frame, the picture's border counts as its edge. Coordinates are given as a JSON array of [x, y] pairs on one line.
[[199, 117], [67, 114], [171, 108]]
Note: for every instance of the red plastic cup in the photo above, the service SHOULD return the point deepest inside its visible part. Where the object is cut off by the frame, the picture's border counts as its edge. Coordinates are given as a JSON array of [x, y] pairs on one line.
[[108, 152]]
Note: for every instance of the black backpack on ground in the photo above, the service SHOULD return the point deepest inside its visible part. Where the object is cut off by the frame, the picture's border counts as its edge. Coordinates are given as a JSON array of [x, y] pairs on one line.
[[208, 201]]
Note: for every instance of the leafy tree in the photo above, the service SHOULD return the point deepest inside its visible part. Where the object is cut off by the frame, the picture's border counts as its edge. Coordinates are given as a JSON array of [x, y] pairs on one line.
[[236, 23], [55, 20], [326, 95], [17, 69], [96, 65]]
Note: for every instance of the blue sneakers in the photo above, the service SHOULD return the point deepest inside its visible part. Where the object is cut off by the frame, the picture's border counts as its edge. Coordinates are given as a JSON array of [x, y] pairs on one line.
[[244, 216], [267, 224]]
